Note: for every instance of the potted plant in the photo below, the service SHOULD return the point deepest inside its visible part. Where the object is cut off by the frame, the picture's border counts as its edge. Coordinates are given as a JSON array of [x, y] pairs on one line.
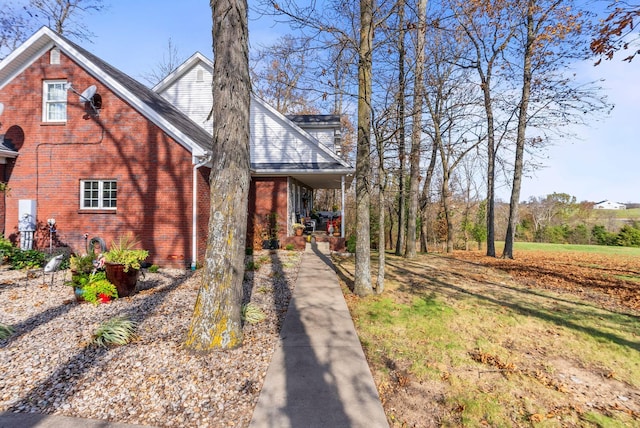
[[94, 287], [336, 228], [298, 228], [122, 264], [81, 264]]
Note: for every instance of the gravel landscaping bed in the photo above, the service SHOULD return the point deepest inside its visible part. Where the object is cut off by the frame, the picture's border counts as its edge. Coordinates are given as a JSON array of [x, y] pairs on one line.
[[50, 366]]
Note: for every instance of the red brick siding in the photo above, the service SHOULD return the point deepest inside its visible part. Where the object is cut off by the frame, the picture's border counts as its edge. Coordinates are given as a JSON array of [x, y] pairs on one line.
[[154, 172], [266, 196]]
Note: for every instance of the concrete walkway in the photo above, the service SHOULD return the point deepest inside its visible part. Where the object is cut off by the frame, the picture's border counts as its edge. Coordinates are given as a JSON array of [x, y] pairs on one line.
[[318, 376]]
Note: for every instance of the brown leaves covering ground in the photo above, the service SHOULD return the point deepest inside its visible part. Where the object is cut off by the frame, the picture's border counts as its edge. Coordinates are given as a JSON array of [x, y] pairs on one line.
[[612, 282]]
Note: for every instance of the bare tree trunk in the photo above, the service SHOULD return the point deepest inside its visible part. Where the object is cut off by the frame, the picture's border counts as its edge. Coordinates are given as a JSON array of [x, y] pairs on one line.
[[447, 211], [491, 173], [520, 139], [216, 319], [381, 220], [414, 158], [362, 284], [402, 192], [425, 200]]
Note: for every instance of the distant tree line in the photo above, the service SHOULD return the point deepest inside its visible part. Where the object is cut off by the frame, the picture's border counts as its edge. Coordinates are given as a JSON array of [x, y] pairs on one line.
[[558, 218]]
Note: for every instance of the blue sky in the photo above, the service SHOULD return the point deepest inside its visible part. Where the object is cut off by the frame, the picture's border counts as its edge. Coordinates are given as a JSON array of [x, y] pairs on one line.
[[604, 163]]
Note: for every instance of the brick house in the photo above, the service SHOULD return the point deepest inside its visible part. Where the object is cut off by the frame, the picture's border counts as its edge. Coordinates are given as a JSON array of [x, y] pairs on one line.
[[104, 155]]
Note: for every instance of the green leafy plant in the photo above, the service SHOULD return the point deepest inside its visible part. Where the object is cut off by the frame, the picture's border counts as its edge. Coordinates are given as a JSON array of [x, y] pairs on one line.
[[95, 287], [252, 266], [114, 331], [154, 268], [289, 247], [6, 249], [351, 244], [97, 290], [252, 314], [82, 264], [124, 252], [26, 259], [5, 331]]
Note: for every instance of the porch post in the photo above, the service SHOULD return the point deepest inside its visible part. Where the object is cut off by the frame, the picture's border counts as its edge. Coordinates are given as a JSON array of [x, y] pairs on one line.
[[342, 207]]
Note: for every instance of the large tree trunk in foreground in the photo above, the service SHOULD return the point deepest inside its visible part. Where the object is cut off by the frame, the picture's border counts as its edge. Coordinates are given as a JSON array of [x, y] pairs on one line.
[[362, 284], [402, 193], [216, 322], [418, 92], [520, 139]]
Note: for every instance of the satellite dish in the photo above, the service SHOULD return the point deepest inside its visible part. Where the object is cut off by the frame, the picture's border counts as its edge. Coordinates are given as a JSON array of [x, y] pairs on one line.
[[87, 94], [1, 108]]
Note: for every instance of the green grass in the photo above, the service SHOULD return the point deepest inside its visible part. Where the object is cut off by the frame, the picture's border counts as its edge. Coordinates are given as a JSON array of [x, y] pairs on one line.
[[595, 249], [634, 278], [633, 214]]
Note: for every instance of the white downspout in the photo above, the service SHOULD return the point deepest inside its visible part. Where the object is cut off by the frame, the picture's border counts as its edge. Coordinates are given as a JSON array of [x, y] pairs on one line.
[[194, 214], [342, 221]]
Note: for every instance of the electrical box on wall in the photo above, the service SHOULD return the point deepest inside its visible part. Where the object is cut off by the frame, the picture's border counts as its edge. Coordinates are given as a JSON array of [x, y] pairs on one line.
[[27, 214]]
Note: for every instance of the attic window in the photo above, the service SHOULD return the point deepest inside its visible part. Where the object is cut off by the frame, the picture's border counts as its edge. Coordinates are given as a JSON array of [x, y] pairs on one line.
[[199, 75], [54, 56]]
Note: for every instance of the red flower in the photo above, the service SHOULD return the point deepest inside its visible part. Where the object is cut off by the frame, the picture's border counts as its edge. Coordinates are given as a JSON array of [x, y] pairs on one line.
[[104, 298]]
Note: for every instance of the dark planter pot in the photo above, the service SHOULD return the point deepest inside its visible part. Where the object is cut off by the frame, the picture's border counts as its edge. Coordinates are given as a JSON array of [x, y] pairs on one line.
[[125, 282]]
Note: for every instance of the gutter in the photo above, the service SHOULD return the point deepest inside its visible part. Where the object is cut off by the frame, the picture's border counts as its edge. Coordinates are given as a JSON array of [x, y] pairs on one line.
[[194, 215]]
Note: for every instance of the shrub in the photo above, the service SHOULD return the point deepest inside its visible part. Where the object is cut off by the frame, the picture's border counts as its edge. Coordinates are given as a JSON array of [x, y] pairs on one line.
[[628, 236], [154, 268], [26, 259], [6, 248], [602, 237], [115, 331], [351, 244]]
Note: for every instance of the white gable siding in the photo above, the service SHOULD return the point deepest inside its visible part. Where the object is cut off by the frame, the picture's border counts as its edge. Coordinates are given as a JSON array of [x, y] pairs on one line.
[[325, 136], [193, 97], [272, 142]]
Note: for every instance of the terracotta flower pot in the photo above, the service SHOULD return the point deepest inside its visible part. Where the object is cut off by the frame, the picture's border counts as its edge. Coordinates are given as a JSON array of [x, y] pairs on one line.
[[125, 282]]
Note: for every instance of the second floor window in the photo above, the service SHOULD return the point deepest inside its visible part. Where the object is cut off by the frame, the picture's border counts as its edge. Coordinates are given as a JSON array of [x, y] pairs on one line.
[[54, 101]]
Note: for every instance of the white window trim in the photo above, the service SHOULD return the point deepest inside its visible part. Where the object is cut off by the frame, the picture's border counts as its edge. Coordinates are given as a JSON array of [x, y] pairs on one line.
[[45, 102], [100, 195]]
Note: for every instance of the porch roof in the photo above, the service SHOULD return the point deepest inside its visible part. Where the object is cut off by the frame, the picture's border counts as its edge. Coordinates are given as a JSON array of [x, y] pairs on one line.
[[315, 175]]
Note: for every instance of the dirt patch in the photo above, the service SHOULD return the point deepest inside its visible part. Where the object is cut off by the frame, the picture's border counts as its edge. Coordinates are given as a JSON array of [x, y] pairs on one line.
[[611, 282]]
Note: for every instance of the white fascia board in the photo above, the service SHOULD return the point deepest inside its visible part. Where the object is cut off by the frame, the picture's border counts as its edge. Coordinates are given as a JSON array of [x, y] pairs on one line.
[[270, 172], [24, 55], [181, 70]]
